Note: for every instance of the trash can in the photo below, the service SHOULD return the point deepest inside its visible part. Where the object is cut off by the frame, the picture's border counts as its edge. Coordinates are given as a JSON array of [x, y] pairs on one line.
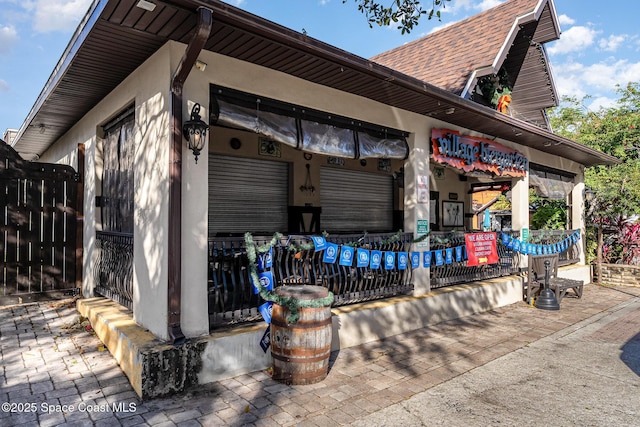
[[301, 350]]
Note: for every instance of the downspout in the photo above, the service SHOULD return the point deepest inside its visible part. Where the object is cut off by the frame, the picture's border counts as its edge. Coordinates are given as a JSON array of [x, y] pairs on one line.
[[174, 294]]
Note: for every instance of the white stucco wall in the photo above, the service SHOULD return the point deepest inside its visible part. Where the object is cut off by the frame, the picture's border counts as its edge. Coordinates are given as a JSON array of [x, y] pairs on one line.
[[148, 88]]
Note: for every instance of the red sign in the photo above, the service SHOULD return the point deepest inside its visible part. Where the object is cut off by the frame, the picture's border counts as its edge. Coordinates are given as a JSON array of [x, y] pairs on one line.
[[481, 248], [471, 153]]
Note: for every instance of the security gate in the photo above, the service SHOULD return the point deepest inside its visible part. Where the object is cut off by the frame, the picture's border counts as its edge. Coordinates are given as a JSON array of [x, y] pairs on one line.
[[37, 225]]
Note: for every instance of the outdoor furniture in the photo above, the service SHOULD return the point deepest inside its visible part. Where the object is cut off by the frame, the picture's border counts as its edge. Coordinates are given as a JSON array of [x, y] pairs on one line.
[[559, 285]]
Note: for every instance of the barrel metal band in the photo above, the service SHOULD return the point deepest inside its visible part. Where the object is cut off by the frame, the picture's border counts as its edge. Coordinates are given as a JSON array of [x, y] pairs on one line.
[[277, 322]]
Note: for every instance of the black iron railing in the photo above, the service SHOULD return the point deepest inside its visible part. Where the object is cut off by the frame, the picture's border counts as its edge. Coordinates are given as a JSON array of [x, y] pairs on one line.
[[113, 268], [459, 272], [231, 296]]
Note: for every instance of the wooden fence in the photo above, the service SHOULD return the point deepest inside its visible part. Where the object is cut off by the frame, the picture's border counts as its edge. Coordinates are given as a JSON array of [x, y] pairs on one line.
[[37, 225]]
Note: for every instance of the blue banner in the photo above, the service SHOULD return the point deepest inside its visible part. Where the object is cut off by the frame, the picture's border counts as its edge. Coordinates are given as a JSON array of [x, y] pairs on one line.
[[459, 253], [389, 260], [331, 254], [415, 260], [426, 259], [265, 260], [346, 255], [403, 260], [376, 260], [448, 257], [439, 257], [266, 280], [319, 242], [363, 258], [266, 309]]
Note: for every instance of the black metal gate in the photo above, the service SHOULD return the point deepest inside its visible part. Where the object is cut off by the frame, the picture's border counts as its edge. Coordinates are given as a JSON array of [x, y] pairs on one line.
[[37, 226]]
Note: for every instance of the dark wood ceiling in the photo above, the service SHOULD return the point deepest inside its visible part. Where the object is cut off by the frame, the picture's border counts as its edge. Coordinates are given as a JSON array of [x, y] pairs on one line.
[[117, 37]]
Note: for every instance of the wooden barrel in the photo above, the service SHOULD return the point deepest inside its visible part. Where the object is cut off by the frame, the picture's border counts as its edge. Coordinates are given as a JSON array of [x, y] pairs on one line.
[[301, 350]]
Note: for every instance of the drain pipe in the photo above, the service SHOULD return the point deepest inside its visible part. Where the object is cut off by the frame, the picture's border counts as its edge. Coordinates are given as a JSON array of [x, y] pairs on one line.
[[174, 297]]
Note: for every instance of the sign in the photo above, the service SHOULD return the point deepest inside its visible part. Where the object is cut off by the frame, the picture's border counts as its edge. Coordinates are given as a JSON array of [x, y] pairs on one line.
[[265, 341], [481, 248], [471, 153], [422, 229], [524, 234], [422, 184]]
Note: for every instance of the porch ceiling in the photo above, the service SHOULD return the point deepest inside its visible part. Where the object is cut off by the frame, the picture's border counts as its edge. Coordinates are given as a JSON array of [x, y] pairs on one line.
[[116, 37]]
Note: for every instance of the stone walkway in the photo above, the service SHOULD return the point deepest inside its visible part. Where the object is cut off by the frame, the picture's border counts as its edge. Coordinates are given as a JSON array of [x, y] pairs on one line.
[[56, 372]]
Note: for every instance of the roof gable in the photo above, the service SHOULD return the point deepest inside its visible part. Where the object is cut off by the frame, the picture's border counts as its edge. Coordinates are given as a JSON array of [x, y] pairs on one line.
[[454, 57]]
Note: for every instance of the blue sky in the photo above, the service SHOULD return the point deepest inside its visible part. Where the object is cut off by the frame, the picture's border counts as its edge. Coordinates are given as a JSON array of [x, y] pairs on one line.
[[599, 46]]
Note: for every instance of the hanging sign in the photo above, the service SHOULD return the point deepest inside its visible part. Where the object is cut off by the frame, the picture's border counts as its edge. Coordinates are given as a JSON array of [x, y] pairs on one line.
[[363, 258], [471, 153], [331, 254], [481, 248]]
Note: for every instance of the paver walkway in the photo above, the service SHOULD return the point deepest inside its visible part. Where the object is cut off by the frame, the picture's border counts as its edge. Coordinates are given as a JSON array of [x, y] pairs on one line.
[[56, 372]]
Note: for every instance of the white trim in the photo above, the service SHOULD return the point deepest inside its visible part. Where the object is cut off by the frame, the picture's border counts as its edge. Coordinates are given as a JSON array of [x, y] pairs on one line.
[[504, 50]]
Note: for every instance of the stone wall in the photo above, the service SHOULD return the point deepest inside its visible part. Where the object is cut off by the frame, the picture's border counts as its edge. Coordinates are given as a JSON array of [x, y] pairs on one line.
[[619, 274]]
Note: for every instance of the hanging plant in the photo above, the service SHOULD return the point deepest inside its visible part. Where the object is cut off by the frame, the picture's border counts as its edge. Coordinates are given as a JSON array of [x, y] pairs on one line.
[[493, 87]]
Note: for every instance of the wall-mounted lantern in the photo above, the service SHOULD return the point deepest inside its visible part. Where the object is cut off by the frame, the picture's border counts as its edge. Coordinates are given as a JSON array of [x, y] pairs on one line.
[[195, 131]]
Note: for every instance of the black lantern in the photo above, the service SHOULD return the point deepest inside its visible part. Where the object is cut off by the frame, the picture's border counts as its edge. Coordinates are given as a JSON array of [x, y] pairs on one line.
[[195, 131]]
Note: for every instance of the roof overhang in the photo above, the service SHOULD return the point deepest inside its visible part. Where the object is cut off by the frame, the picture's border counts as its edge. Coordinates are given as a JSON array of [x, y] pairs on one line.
[[116, 37]]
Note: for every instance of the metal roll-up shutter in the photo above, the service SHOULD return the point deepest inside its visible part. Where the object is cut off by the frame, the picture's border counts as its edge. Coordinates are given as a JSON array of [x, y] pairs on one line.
[[355, 201], [247, 195]]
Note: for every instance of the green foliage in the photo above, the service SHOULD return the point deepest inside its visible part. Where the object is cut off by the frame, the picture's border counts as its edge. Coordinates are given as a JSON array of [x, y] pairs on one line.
[[616, 131], [547, 214], [405, 12]]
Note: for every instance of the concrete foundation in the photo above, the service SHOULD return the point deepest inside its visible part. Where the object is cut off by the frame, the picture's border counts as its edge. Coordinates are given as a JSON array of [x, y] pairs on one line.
[[156, 368]]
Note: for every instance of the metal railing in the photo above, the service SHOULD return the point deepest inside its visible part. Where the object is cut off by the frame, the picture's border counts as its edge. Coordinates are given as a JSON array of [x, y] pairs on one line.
[[548, 237], [113, 268], [458, 272], [233, 301]]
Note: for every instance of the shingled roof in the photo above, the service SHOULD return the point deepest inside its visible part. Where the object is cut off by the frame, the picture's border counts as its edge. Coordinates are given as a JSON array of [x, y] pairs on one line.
[[509, 34]]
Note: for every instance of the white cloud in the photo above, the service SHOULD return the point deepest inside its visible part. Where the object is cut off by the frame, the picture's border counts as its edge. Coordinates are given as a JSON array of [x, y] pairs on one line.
[[598, 79], [56, 15], [602, 102], [487, 4], [574, 39], [565, 20], [4, 86], [611, 43], [8, 37]]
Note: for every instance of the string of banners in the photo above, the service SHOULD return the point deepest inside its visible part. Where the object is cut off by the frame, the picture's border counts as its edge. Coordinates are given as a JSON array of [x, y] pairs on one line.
[[527, 248]]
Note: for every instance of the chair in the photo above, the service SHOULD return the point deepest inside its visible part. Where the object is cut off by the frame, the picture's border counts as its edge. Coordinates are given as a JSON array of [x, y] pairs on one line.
[[559, 285]]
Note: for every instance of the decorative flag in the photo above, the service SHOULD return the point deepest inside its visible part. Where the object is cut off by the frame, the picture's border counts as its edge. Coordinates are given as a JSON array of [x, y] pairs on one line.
[[389, 260], [426, 259], [376, 260], [319, 243], [403, 260], [363, 258], [415, 260], [266, 309], [266, 280], [448, 258], [524, 248], [516, 245], [459, 253], [331, 253], [265, 260], [346, 255], [439, 257], [505, 238]]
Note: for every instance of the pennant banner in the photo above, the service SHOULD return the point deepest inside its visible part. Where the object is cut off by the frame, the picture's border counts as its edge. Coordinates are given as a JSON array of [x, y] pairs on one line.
[[540, 249]]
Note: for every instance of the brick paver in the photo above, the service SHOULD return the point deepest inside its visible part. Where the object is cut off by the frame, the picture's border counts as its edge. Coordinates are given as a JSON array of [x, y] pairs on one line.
[[57, 372]]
